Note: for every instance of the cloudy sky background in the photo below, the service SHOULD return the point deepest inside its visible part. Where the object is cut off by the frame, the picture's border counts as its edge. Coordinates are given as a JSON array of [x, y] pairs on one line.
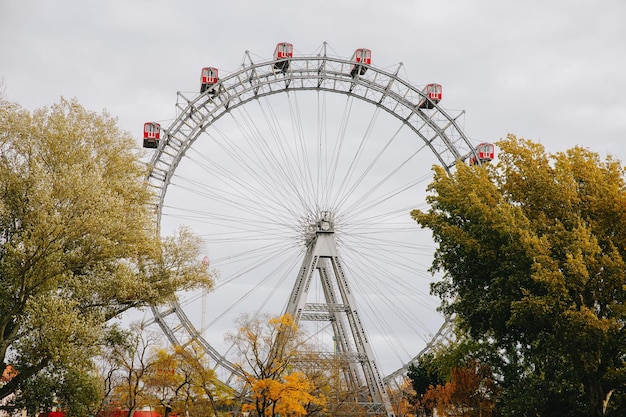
[[550, 71]]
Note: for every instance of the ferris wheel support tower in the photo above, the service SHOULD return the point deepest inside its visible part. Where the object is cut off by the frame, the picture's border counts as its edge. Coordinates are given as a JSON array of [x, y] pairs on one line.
[[352, 347]]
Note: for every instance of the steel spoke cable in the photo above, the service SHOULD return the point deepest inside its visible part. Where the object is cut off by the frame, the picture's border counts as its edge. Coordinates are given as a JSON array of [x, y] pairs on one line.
[[401, 247], [383, 181], [233, 145], [290, 156], [241, 205], [335, 153], [365, 172], [235, 199], [397, 251], [362, 256], [302, 157], [337, 150], [222, 186], [239, 223], [220, 173], [272, 168], [379, 216], [405, 259], [248, 255], [368, 255], [240, 227], [372, 297], [392, 339], [370, 290], [321, 141], [243, 258], [244, 189], [298, 160], [261, 253], [255, 290], [252, 164], [356, 157], [283, 160]]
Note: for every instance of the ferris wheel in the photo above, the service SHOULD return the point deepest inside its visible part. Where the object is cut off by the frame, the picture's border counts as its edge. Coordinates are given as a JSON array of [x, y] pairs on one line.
[[299, 173]]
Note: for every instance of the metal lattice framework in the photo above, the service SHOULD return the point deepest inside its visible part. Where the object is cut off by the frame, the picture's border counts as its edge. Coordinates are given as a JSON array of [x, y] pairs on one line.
[[437, 130]]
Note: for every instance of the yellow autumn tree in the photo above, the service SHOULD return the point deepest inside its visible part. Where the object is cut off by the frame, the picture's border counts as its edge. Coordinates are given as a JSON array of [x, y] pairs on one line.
[[269, 350], [191, 384]]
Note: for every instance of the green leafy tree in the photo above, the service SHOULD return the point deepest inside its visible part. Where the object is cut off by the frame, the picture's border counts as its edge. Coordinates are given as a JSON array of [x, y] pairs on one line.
[[423, 375], [457, 377], [77, 242], [533, 251]]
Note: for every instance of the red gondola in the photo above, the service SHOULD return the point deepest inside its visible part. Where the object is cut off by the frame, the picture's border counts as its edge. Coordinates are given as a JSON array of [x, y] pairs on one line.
[[360, 58], [208, 79], [151, 135], [282, 53], [434, 93], [485, 151], [283, 50]]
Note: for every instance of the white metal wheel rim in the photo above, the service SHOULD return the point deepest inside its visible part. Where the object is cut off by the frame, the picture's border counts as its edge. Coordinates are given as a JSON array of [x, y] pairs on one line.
[[435, 129]]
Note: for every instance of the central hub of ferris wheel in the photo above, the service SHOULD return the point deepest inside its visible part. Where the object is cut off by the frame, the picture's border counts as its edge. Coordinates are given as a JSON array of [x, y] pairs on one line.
[[321, 223], [326, 222]]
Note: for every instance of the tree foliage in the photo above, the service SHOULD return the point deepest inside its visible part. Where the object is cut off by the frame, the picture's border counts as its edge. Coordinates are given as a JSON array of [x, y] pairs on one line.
[[424, 376], [270, 350], [184, 383], [456, 379], [135, 362], [533, 251], [137, 371], [470, 391], [77, 242]]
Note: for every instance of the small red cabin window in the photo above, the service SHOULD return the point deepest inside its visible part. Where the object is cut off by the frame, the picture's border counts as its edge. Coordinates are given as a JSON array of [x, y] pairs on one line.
[[362, 56], [283, 50], [434, 92], [152, 131], [151, 135], [209, 76], [485, 151]]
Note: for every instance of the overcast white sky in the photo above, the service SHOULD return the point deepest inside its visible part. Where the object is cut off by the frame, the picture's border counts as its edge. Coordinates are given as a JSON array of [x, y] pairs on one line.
[[551, 71]]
